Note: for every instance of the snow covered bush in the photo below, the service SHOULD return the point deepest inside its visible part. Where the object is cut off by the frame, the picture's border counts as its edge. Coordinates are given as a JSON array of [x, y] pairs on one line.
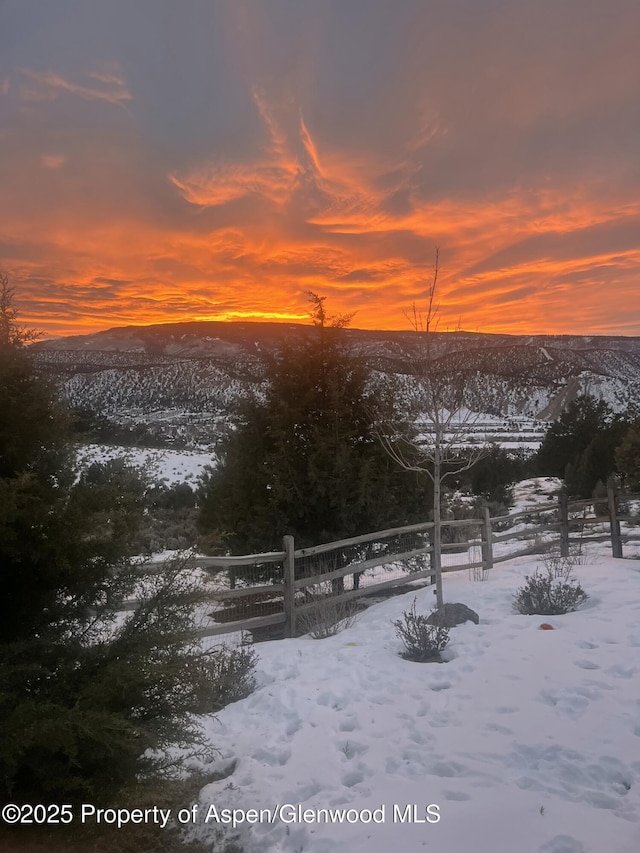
[[549, 593], [422, 641]]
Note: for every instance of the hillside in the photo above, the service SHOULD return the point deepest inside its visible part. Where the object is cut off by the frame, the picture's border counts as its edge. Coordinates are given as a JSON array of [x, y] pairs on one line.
[[184, 379]]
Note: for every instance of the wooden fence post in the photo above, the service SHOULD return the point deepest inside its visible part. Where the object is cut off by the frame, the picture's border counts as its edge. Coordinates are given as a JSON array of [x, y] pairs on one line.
[[614, 521], [487, 543], [564, 523], [289, 577]]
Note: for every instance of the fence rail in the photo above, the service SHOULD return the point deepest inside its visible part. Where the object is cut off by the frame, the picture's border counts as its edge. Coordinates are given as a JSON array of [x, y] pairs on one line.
[[259, 591]]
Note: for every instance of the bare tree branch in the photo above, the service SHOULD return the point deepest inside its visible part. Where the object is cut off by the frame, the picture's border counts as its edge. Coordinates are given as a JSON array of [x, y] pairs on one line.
[[436, 392]]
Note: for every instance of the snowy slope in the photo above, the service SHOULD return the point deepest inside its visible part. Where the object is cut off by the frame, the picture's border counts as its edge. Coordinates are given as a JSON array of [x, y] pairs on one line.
[[528, 741], [161, 465], [186, 378]]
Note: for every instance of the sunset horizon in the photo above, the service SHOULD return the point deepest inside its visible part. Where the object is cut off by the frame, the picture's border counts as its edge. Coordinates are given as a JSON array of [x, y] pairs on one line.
[[217, 162], [44, 336]]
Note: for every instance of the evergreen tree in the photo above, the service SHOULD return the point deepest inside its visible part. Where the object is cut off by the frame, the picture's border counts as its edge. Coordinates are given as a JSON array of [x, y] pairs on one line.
[[580, 446], [495, 473], [87, 693], [306, 460], [597, 462], [568, 438], [627, 456]]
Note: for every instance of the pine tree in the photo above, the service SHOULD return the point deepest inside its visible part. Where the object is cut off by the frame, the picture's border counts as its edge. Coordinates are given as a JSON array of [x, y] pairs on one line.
[[306, 460], [627, 456], [568, 438], [89, 697], [580, 445]]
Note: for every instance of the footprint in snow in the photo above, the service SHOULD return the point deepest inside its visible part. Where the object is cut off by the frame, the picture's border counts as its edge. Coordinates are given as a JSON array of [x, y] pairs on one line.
[[327, 699], [501, 730], [352, 778], [572, 706], [447, 769], [303, 793], [273, 757], [349, 724], [562, 844], [293, 726], [586, 664], [440, 719], [458, 796], [416, 737]]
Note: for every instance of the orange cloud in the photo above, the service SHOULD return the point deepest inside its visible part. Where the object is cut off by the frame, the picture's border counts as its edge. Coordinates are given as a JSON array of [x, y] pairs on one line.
[[249, 236], [52, 161]]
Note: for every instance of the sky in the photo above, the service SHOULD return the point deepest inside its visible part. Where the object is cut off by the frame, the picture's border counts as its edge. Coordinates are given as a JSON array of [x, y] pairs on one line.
[[217, 159]]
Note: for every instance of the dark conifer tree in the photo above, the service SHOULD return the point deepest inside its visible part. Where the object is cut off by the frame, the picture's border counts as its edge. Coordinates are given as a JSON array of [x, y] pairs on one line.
[[580, 445], [86, 693], [305, 459]]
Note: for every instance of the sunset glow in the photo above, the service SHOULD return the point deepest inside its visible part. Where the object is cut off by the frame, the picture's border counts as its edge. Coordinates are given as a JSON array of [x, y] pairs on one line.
[[162, 162]]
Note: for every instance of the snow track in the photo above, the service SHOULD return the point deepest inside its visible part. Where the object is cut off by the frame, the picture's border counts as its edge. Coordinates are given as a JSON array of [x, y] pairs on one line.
[[527, 740]]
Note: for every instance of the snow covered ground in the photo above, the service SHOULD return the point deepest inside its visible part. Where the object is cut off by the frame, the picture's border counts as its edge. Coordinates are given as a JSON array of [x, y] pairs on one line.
[[162, 465], [526, 740]]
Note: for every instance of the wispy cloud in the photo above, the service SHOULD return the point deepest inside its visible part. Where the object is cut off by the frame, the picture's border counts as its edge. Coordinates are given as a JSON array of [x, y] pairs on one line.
[[326, 147], [49, 85]]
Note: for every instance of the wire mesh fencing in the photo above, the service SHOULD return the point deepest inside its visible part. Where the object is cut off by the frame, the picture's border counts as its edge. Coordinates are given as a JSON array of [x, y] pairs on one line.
[[316, 588]]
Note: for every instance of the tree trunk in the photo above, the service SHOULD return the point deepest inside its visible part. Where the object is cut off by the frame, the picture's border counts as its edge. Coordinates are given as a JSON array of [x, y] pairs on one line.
[[437, 529]]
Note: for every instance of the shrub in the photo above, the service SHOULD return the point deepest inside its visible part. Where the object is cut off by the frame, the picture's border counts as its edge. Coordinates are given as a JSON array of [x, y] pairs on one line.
[[550, 593], [422, 641], [232, 673], [560, 566], [329, 615]]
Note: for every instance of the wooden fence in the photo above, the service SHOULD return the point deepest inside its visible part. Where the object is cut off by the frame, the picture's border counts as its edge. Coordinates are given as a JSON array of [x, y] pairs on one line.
[[255, 591]]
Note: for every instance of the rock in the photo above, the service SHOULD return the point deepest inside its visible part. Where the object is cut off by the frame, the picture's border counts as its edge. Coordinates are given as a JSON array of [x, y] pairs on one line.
[[450, 615]]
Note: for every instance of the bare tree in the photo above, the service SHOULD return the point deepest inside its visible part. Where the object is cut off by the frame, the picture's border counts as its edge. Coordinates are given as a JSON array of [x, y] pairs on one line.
[[436, 390]]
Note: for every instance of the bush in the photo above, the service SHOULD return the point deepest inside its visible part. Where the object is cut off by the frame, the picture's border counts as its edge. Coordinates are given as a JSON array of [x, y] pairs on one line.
[[329, 615], [559, 565], [551, 593], [86, 714], [232, 672], [422, 641]]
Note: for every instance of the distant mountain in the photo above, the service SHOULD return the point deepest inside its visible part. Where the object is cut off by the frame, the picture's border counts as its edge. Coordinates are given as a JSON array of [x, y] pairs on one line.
[[186, 378]]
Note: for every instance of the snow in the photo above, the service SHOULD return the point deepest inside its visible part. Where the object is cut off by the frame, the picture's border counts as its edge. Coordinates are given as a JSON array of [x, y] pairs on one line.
[[534, 493], [526, 740], [166, 466]]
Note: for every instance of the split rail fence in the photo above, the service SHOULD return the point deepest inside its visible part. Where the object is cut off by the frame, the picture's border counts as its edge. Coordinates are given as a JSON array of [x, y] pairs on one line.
[[280, 588]]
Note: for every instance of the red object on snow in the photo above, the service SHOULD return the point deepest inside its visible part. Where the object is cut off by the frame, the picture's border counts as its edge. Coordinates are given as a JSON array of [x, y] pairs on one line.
[[546, 627]]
